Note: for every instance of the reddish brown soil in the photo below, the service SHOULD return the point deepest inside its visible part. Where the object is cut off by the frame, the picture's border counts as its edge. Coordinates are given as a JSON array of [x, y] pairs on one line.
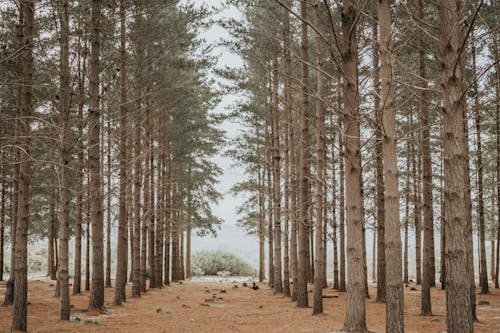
[[178, 309]]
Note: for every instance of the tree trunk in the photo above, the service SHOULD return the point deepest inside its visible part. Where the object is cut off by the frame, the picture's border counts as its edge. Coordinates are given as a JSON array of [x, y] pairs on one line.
[[342, 270], [3, 198], [66, 144], [87, 238], [287, 63], [305, 163], [497, 134], [294, 184], [407, 214], [262, 217], [334, 212], [269, 192], [19, 317], [394, 282], [458, 302], [320, 173], [121, 253], [483, 269], [275, 132], [380, 188], [97, 289], [108, 204], [355, 310], [77, 279], [151, 204]]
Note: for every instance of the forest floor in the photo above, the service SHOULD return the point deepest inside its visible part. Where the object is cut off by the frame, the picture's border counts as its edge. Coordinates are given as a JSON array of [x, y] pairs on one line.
[[220, 307]]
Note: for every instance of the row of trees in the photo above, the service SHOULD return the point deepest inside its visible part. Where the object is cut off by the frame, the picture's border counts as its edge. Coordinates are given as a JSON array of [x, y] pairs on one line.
[[105, 111], [370, 115]]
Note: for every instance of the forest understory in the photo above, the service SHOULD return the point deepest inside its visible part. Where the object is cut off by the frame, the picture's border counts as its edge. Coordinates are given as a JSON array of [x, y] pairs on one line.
[[185, 308]]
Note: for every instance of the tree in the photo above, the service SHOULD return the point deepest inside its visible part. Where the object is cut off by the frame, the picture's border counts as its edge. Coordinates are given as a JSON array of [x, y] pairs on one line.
[[394, 283], [66, 143], [355, 310], [458, 302], [19, 317], [320, 174], [305, 162], [97, 289]]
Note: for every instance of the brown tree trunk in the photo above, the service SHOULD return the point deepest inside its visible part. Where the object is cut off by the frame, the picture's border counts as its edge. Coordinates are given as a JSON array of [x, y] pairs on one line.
[[305, 166], [262, 217], [9, 287], [108, 204], [3, 198], [334, 212], [19, 316], [77, 279], [275, 132], [458, 302], [468, 209], [407, 214], [483, 269], [294, 211], [497, 134], [151, 196], [97, 289], [319, 179], [394, 282], [355, 309], [66, 144], [121, 253], [269, 192], [342, 269], [287, 63], [87, 238], [380, 188]]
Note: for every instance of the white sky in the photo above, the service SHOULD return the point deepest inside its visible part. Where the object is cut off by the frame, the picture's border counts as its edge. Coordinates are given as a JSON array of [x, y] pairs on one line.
[[230, 237]]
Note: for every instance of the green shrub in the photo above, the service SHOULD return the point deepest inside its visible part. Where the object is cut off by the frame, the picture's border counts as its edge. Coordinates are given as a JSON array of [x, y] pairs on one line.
[[220, 263]]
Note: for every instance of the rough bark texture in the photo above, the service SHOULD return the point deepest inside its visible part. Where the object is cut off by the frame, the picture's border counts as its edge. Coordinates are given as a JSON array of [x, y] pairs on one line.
[[319, 179], [334, 215], [304, 176], [394, 283], [121, 257], [342, 275], [380, 188], [262, 218], [278, 282], [97, 289], [355, 310], [287, 151], [77, 279], [19, 316], [483, 271], [458, 302], [66, 144]]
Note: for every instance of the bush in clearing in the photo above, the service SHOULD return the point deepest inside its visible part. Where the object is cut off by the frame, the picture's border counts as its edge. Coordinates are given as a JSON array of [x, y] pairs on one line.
[[212, 263]]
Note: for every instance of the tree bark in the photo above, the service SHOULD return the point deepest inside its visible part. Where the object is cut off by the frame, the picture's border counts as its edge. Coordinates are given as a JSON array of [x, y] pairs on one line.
[[458, 302], [380, 188], [121, 256], [355, 310], [97, 289], [19, 316], [275, 132], [305, 166], [394, 283], [66, 144], [287, 63], [483, 269], [319, 179]]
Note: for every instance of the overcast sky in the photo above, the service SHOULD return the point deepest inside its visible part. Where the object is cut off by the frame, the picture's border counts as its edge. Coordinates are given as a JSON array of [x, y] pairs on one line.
[[230, 237]]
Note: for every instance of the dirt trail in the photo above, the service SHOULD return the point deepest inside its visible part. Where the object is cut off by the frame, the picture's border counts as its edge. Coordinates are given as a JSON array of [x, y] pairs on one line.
[[219, 307]]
